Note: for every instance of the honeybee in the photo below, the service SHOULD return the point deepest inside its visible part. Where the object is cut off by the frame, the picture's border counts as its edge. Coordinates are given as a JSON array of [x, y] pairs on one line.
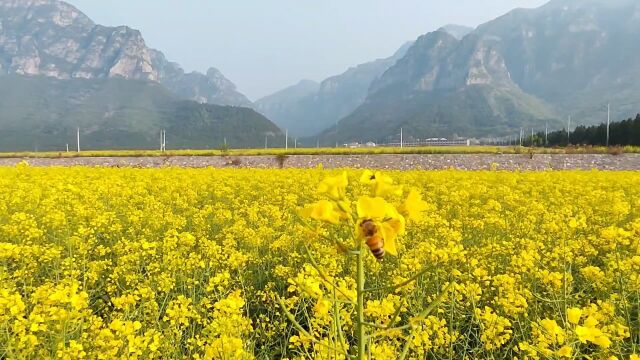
[[374, 241]]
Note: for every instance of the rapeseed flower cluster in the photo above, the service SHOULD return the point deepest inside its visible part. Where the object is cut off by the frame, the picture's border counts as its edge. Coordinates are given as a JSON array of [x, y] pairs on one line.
[[183, 263]]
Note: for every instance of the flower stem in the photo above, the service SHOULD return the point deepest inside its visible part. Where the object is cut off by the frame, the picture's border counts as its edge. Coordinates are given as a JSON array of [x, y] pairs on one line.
[[360, 306]]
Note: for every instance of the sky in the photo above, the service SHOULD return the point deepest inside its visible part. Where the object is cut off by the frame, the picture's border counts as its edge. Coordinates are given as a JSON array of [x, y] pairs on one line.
[[266, 45]]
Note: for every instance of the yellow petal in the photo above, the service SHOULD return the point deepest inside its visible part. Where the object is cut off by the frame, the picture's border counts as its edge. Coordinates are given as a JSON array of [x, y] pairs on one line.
[[389, 237], [583, 334], [573, 315], [381, 178], [323, 210], [565, 351], [602, 341], [367, 177], [414, 206], [334, 187], [371, 208], [397, 224]]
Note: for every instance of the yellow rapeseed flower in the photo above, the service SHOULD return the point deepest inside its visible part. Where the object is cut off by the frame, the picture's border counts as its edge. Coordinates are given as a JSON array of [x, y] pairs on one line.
[[188, 263], [574, 315], [386, 218], [414, 206], [334, 187], [565, 351], [593, 335], [323, 210], [381, 185]]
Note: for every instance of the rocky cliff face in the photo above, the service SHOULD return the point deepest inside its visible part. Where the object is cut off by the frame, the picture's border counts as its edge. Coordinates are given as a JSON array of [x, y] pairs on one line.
[[442, 87], [572, 52], [54, 39], [211, 88], [523, 69]]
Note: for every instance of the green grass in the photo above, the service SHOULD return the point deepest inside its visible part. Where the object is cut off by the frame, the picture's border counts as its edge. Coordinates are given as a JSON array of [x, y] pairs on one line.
[[328, 151]]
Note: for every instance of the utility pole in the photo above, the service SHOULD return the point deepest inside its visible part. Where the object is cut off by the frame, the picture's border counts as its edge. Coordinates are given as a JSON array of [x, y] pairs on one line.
[[295, 143], [286, 139], [608, 121], [546, 133], [521, 130], [401, 139], [67, 147], [531, 137], [163, 140], [78, 138], [336, 133]]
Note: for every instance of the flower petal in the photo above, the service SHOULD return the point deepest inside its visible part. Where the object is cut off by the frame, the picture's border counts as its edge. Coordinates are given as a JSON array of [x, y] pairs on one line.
[[371, 208]]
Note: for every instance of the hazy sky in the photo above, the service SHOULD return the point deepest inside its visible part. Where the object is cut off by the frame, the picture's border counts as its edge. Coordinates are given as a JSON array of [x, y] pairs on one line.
[[265, 45]]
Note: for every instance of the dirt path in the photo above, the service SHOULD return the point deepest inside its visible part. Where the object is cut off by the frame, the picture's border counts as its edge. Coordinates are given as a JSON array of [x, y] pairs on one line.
[[399, 162]]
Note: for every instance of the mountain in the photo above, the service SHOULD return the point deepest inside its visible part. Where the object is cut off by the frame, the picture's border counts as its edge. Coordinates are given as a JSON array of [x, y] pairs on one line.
[[305, 112], [52, 38], [576, 55], [442, 87], [285, 104], [457, 31], [212, 87], [60, 71], [525, 69], [40, 112]]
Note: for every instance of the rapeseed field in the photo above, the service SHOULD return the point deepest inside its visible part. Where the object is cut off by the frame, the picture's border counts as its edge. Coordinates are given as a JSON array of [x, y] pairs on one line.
[[100, 263]]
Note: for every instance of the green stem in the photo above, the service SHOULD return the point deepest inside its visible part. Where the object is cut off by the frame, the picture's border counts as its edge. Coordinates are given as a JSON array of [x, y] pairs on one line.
[[375, 326], [360, 307], [336, 321], [424, 314], [398, 286], [299, 327], [324, 276], [394, 318]]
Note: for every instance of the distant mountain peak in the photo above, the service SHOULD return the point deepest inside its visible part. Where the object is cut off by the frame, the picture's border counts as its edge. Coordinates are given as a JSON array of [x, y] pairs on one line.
[[55, 39], [458, 31], [307, 82], [579, 3], [218, 79], [307, 108]]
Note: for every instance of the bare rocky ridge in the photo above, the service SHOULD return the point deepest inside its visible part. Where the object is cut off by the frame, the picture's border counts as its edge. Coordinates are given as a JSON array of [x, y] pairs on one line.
[[55, 39]]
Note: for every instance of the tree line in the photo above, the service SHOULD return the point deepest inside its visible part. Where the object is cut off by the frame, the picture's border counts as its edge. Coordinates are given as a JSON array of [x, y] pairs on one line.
[[621, 133]]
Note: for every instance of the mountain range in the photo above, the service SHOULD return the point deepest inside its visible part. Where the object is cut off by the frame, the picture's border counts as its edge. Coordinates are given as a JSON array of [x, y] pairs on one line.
[[60, 71], [116, 113], [308, 108], [54, 39], [530, 68]]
